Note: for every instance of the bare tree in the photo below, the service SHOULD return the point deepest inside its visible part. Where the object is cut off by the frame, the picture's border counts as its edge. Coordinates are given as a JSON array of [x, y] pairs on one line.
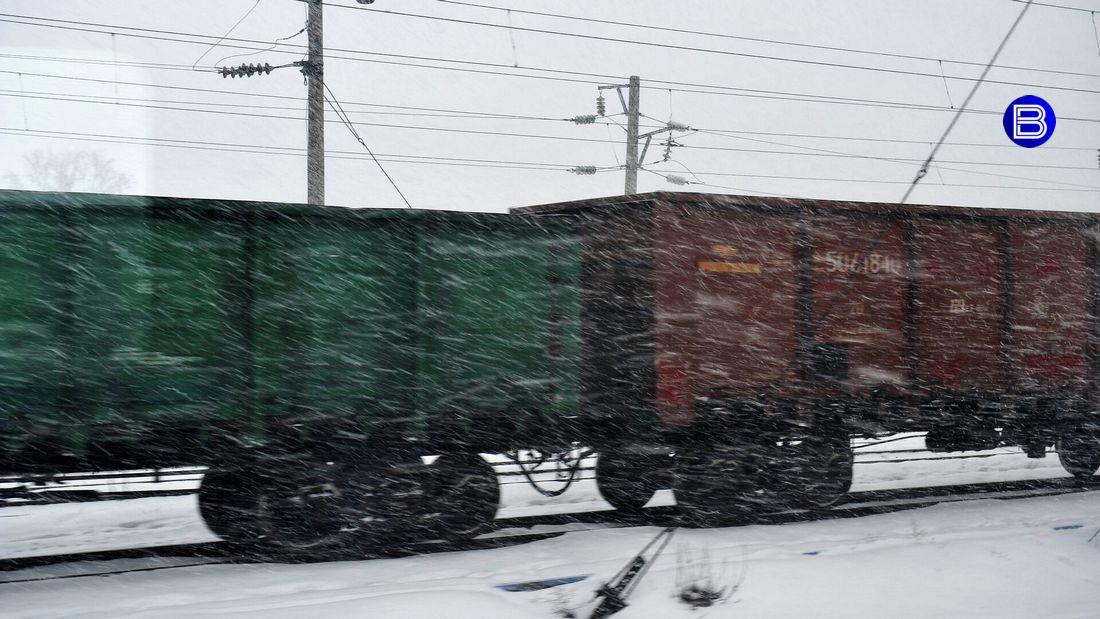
[[74, 170]]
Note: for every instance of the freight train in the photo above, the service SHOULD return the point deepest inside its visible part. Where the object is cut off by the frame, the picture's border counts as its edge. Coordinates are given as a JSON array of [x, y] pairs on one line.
[[343, 372]]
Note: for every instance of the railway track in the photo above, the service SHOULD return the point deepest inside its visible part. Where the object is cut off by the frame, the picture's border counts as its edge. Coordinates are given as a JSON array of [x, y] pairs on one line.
[[514, 531]]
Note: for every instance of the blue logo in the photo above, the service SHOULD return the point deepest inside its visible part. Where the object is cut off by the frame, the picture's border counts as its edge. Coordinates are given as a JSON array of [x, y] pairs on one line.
[[1029, 121]]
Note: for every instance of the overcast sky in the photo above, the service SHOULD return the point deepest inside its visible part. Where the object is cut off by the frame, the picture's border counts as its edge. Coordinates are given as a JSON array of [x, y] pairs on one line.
[[116, 106]]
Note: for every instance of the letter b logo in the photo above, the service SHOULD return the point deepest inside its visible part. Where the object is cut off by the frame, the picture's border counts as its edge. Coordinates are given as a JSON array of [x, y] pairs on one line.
[[1029, 121]]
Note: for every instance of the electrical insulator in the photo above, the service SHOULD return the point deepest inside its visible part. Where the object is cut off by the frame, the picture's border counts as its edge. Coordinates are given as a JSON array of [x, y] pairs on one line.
[[583, 170], [669, 145], [676, 180], [246, 70], [583, 120], [675, 126], [601, 106]]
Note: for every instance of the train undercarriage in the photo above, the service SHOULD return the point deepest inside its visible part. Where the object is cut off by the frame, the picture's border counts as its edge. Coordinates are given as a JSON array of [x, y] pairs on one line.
[[312, 498]]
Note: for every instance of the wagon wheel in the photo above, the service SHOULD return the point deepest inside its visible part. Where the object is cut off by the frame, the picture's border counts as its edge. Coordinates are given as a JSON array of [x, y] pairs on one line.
[[1079, 452], [227, 506], [718, 484], [822, 471], [461, 496], [306, 509], [628, 481]]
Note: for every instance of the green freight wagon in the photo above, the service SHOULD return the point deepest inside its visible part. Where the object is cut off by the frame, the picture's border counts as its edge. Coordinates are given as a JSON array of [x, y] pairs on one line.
[[297, 351]]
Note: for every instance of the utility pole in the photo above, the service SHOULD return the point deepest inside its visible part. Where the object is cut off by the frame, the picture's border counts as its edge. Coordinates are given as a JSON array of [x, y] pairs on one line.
[[632, 162], [631, 107], [313, 68], [315, 138]]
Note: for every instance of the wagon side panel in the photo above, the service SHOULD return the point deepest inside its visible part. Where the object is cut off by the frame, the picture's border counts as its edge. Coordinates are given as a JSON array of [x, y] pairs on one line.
[[1050, 304], [731, 277], [960, 305], [858, 304]]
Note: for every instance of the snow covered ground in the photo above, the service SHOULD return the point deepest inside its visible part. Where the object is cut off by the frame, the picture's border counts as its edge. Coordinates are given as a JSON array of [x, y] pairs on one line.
[[1022, 558]]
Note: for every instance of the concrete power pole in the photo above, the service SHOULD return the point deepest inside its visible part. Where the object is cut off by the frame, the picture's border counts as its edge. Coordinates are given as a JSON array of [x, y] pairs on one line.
[[315, 139], [632, 162]]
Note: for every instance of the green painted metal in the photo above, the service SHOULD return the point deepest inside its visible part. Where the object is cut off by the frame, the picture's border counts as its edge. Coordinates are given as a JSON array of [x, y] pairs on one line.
[[125, 318]]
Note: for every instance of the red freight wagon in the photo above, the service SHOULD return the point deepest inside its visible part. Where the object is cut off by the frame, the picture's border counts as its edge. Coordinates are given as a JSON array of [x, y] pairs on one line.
[[763, 333]]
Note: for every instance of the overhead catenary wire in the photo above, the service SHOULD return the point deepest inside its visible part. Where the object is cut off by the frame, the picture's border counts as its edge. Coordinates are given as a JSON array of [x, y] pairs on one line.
[[699, 181], [513, 134], [103, 61], [1054, 6], [723, 35], [486, 114], [690, 48], [506, 116], [429, 113], [852, 138], [687, 87], [966, 102], [600, 140], [227, 33], [436, 159], [740, 190], [287, 150], [823, 152], [494, 115], [298, 118], [880, 181], [683, 87]]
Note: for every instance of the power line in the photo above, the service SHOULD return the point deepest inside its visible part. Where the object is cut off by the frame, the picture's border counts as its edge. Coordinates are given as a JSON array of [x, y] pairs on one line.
[[821, 153], [685, 87], [99, 61], [300, 47], [495, 115], [758, 39], [1054, 6], [593, 37], [288, 150], [227, 33], [145, 100], [740, 190], [298, 118], [339, 109], [273, 45], [966, 102], [882, 140], [888, 182], [439, 160], [489, 115]]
